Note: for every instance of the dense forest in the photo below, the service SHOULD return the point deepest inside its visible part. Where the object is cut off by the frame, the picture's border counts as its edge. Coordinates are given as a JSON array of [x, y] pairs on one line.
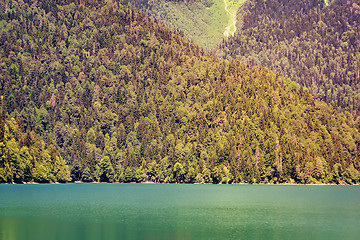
[[118, 97], [26, 157], [257, 12], [316, 46]]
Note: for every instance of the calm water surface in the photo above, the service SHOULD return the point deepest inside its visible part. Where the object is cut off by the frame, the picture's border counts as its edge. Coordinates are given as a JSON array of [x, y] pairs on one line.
[[155, 211]]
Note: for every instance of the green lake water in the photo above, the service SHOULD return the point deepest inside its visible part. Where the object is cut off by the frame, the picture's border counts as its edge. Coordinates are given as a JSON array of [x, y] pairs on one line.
[[161, 211]]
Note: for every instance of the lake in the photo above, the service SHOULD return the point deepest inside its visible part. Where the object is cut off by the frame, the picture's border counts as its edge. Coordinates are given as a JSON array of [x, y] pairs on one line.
[[170, 211]]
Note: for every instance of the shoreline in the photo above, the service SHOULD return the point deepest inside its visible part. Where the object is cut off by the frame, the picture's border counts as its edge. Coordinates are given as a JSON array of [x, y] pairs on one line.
[[149, 182]]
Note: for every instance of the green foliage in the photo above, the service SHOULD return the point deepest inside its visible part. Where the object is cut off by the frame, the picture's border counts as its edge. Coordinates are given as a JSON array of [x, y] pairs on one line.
[[25, 157], [313, 45], [102, 91], [87, 175], [104, 170]]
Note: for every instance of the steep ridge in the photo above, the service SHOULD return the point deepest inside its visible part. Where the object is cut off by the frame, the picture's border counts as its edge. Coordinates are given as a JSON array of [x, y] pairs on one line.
[[123, 98]]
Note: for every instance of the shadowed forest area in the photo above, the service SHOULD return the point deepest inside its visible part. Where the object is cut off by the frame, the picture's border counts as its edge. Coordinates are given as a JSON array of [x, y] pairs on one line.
[[314, 45]]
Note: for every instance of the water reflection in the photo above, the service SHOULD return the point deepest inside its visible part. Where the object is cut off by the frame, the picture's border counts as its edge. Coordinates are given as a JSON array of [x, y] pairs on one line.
[[127, 211]]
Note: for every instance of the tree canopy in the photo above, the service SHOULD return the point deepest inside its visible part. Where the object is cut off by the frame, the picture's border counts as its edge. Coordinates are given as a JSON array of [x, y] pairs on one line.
[[314, 45]]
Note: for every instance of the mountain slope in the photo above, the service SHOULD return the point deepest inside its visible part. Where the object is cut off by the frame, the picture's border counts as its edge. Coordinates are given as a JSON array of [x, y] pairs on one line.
[[125, 99], [256, 12], [319, 49], [205, 22]]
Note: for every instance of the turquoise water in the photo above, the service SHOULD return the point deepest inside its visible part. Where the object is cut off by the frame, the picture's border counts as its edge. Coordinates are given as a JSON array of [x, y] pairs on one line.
[[160, 211]]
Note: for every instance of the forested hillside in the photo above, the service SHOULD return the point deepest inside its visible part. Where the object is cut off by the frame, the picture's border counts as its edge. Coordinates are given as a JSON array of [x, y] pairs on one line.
[[25, 157], [318, 47], [123, 98], [257, 12]]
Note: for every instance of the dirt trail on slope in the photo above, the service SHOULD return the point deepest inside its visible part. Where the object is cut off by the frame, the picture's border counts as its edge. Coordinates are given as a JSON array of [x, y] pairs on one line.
[[231, 29]]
